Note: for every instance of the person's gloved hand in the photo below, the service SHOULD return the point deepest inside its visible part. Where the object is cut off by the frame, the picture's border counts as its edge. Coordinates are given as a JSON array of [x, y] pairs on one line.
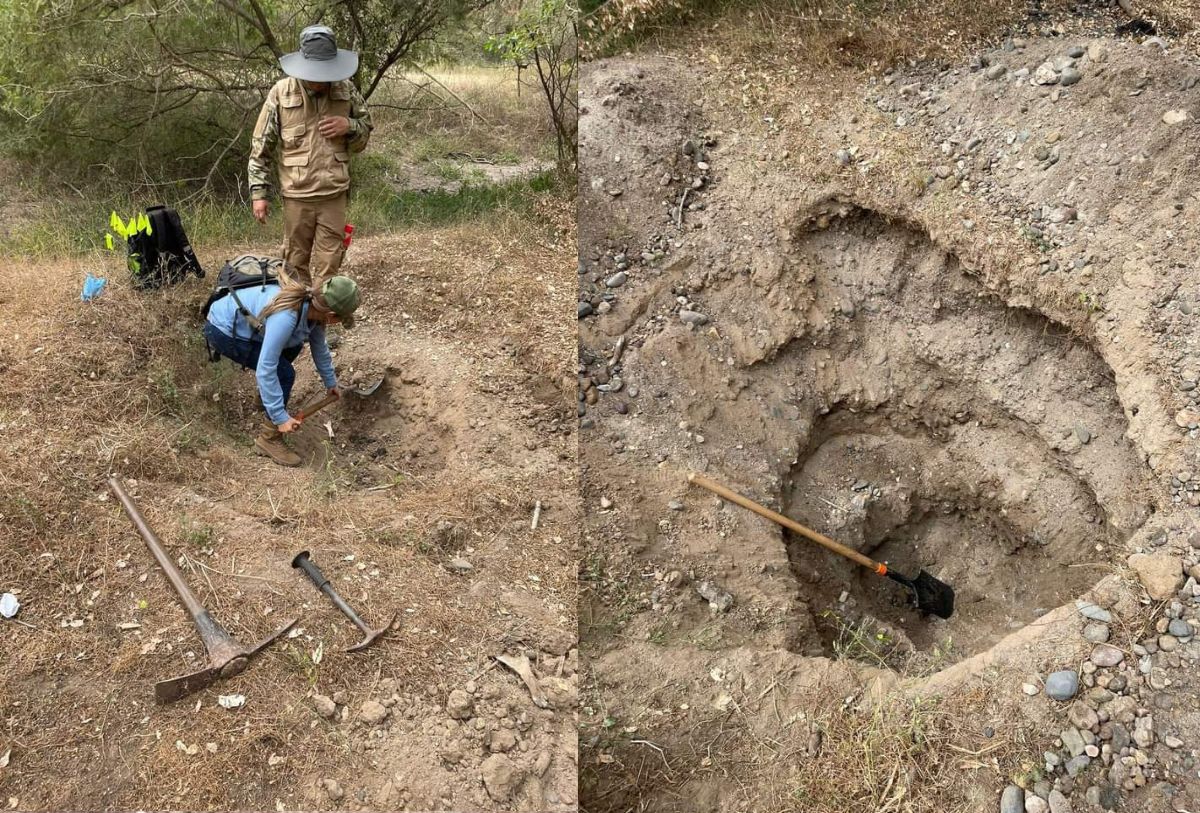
[[335, 391], [290, 425]]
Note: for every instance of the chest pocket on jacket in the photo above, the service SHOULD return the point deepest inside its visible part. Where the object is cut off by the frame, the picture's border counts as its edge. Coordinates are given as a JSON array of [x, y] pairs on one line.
[[292, 128], [292, 137]]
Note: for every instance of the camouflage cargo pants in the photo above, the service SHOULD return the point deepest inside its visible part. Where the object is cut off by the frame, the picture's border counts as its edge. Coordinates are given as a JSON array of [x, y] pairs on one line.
[[312, 236]]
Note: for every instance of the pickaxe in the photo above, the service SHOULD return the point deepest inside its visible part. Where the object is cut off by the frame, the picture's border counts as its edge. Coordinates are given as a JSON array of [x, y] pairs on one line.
[[226, 657]]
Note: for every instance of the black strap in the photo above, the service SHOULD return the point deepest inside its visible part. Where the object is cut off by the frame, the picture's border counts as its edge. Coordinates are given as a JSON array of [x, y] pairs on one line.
[[255, 323]]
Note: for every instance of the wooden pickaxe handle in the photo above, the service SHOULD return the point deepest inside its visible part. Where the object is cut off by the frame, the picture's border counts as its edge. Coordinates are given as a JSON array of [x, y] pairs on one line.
[[309, 411], [791, 524]]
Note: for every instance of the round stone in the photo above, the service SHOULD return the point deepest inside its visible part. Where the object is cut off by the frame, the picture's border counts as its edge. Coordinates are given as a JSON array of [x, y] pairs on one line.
[[1062, 685], [1105, 656], [1012, 800]]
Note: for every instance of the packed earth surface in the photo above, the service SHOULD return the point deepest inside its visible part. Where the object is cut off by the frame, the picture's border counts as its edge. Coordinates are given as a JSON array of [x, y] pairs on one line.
[[418, 500], [944, 314]]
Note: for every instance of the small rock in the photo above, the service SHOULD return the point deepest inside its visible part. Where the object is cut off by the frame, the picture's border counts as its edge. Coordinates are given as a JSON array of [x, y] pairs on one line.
[[585, 309], [1062, 685], [1069, 76], [1012, 800], [994, 72], [1029, 689], [1059, 803], [1082, 716], [1076, 765], [1104, 655], [1160, 573], [1045, 75], [1064, 214], [1076, 51], [500, 777], [460, 705], [332, 789], [1073, 741], [1143, 731], [324, 706], [1179, 628], [718, 600], [1175, 117], [502, 740], [692, 318], [372, 712], [1096, 633], [616, 280], [1093, 612], [460, 565], [1035, 804]]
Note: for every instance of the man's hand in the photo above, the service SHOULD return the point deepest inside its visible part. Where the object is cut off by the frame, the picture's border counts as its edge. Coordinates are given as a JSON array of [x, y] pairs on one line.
[[290, 425], [262, 208], [334, 126], [335, 391]]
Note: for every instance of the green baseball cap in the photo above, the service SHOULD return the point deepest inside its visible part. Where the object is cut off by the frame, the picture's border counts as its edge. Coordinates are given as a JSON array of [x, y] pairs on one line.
[[341, 296]]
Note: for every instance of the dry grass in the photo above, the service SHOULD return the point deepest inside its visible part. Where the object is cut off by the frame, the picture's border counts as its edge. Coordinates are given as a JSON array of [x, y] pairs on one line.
[[843, 755], [1177, 17], [477, 111], [121, 385], [818, 33]]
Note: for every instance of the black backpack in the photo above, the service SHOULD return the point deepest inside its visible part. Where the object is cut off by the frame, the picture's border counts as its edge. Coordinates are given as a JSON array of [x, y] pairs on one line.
[[161, 255]]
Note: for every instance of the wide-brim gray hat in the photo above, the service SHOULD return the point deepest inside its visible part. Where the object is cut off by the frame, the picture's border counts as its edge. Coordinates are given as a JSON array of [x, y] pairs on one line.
[[319, 59]]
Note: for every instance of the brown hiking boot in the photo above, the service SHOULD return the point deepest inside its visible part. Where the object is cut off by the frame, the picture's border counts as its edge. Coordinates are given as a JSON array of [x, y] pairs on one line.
[[270, 443]]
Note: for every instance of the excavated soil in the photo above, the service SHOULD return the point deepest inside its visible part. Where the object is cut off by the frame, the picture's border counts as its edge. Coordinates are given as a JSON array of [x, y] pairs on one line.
[[822, 291]]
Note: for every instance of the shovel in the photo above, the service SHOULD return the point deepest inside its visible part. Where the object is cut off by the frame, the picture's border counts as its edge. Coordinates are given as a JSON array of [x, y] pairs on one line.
[[929, 594], [368, 389]]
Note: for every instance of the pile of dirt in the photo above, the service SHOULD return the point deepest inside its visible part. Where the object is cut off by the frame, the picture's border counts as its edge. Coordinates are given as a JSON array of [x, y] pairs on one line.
[[941, 315]]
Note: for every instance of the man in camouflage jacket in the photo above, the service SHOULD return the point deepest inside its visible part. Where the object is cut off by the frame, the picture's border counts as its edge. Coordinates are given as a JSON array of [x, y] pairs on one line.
[[314, 118]]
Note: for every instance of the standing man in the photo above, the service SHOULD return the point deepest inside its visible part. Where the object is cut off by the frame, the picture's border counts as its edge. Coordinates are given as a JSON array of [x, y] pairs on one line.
[[315, 118]]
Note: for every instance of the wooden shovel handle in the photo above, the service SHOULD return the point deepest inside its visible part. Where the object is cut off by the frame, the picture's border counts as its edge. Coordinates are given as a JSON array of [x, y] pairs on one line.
[[309, 411], [791, 524]]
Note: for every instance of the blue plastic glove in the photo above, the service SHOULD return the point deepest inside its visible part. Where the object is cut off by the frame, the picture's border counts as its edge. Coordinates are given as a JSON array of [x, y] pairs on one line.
[[92, 286]]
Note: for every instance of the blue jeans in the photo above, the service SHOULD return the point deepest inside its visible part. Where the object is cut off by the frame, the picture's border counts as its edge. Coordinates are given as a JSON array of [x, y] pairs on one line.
[[245, 352]]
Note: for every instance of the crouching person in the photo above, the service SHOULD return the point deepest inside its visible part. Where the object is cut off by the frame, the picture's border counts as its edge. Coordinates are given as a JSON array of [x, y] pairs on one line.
[[265, 328]]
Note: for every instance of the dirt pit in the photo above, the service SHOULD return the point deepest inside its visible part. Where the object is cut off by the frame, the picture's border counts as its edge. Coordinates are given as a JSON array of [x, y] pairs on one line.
[[938, 429]]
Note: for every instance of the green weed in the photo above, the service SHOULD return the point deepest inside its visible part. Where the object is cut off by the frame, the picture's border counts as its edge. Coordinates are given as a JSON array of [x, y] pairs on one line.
[[196, 534]]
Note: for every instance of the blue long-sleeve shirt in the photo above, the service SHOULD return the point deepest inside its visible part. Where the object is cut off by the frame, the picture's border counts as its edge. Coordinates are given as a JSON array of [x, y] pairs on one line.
[[280, 330]]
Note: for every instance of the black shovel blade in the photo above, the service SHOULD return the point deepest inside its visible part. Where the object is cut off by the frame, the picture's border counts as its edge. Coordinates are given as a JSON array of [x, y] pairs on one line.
[[930, 595]]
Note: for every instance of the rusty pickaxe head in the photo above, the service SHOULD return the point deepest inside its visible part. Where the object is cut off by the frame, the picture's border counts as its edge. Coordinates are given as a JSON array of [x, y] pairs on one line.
[[304, 562], [226, 657]]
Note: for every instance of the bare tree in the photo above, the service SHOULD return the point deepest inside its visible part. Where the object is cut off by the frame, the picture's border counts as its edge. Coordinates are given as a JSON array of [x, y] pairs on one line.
[[548, 37]]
